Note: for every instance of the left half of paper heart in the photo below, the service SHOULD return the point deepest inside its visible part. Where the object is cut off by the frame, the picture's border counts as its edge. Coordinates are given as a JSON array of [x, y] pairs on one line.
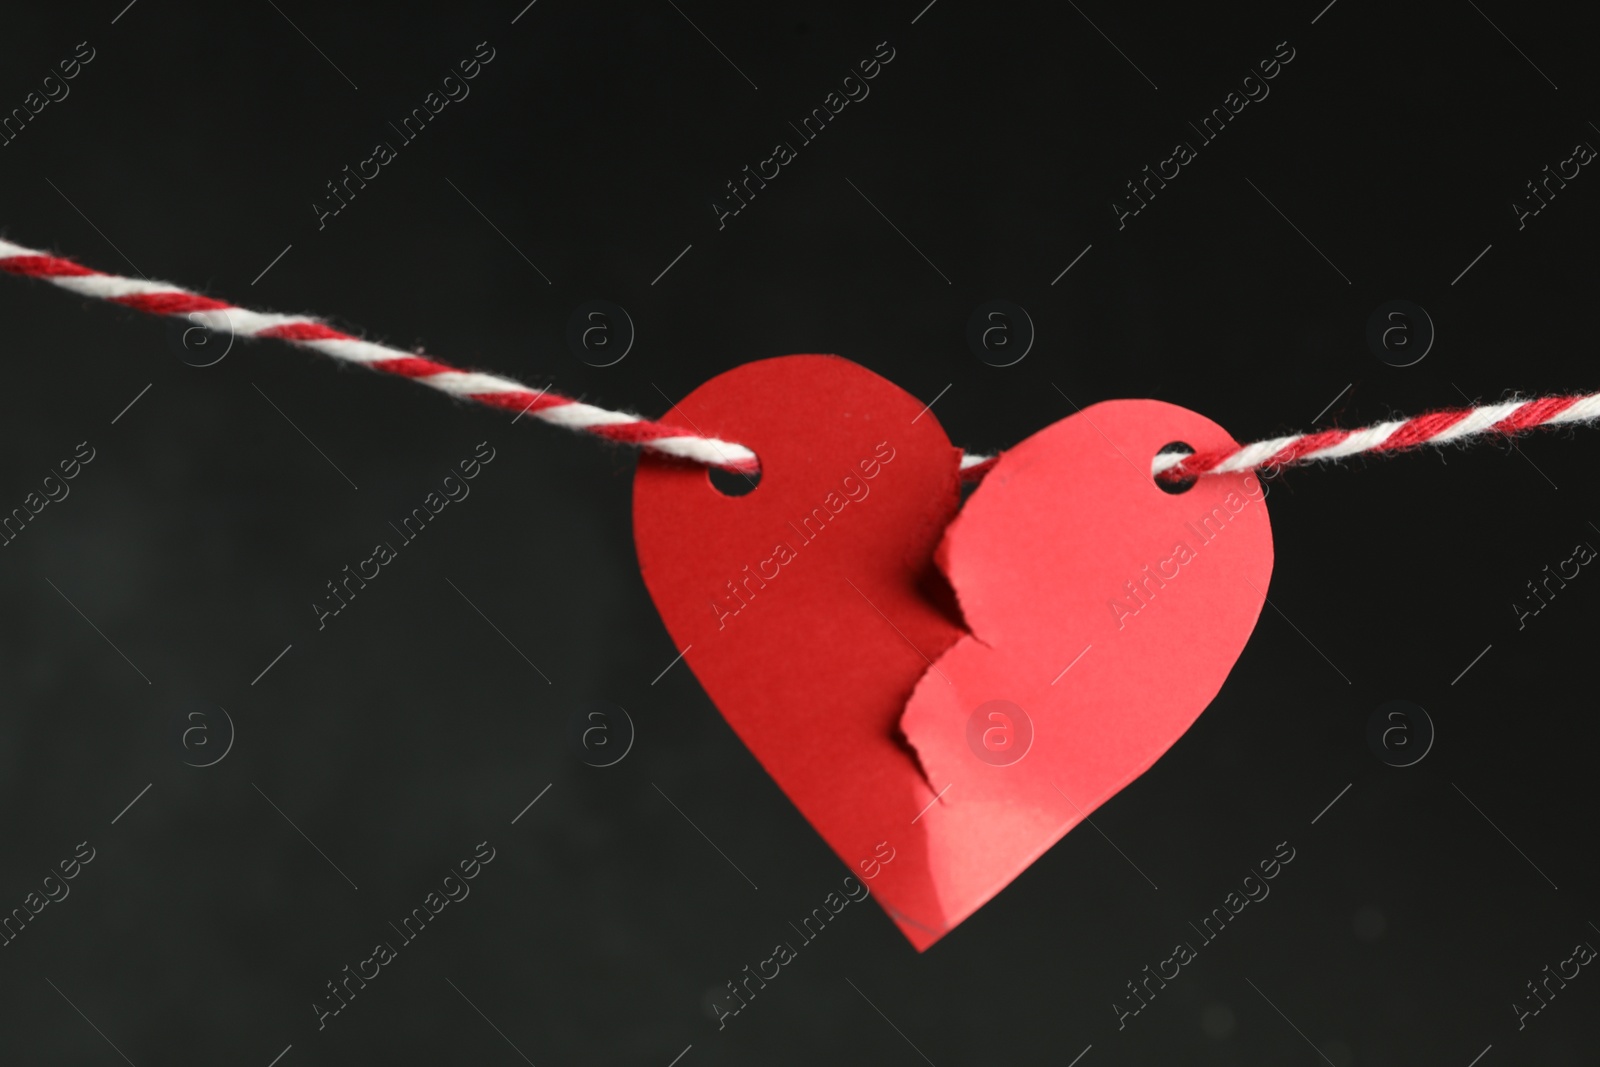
[[810, 606]]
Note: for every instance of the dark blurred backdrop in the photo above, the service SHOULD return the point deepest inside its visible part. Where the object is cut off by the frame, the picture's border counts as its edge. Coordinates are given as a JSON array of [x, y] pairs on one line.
[[380, 751]]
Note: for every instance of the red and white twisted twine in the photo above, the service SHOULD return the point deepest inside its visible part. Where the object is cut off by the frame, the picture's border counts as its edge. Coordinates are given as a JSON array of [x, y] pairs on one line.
[[1434, 428], [162, 298]]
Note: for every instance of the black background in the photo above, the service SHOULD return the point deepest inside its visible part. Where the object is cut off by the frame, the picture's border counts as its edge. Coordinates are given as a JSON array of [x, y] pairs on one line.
[[194, 145]]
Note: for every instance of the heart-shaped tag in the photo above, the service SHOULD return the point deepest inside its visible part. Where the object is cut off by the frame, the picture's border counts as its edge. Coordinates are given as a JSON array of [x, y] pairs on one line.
[[815, 619]]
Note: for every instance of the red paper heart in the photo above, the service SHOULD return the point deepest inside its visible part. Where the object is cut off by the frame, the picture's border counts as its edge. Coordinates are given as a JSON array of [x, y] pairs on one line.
[[812, 615]]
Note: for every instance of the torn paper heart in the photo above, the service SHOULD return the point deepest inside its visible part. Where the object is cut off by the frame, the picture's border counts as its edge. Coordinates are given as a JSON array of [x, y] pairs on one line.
[[1104, 612], [812, 614]]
